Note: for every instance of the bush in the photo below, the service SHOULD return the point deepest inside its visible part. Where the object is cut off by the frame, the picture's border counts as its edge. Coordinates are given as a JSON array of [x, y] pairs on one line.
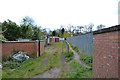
[[11, 65], [6, 58]]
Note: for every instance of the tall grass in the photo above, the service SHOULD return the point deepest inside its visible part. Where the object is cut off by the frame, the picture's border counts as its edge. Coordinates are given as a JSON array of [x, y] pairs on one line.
[[76, 70], [68, 56], [86, 58]]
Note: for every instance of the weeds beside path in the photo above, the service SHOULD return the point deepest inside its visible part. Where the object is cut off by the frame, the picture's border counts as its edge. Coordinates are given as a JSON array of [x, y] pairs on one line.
[[77, 57]]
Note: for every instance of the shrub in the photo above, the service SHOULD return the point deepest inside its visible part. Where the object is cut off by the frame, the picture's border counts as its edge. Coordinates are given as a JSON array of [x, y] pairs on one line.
[[11, 65], [6, 58]]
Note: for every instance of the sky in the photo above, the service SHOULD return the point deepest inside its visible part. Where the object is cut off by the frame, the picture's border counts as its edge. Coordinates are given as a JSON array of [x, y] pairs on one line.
[[54, 13]]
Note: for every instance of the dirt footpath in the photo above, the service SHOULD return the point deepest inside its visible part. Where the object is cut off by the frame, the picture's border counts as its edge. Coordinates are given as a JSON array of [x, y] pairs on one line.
[[77, 57], [53, 72]]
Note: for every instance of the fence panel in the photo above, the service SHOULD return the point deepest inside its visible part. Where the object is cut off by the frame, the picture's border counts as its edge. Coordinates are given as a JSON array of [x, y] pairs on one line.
[[83, 42]]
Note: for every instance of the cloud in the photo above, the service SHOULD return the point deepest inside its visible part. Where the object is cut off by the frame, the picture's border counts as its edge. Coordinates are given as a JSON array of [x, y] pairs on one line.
[[54, 13]]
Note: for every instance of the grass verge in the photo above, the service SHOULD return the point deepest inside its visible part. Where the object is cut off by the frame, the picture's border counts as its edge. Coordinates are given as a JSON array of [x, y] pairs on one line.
[[76, 70], [68, 56], [86, 58]]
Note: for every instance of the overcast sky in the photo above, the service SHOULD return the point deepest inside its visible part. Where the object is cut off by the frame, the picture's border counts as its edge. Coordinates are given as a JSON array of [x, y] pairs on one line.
[[54, 13]]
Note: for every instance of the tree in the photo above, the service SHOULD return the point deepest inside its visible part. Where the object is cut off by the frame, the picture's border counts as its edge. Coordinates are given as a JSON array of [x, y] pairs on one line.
[[100, 27], [26, 27], [12, 30], [27, 21], [36, 33], [54, 33], [80, 28], [62, 31], [90, 27]]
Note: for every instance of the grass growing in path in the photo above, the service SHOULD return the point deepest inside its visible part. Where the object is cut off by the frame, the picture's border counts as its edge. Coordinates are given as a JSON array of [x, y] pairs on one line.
[[86, 58], [35, 66], [68, 56], [77, 71]]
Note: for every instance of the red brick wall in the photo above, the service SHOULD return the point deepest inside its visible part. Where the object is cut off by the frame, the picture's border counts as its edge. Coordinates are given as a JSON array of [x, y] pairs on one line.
[[42, 47], [105, 55], [29, 47]]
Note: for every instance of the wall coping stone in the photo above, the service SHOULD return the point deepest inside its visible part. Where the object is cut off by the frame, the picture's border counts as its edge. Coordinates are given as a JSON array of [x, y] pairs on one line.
[[19, 41], [110, 29]]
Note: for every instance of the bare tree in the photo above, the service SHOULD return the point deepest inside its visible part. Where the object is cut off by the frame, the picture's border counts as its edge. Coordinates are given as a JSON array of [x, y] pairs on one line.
[[100, 27], [80, 28]]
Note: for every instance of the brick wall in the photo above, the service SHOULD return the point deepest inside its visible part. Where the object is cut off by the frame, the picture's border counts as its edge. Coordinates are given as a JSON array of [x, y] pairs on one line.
[[29, 47], [41, 47], [106, 53]]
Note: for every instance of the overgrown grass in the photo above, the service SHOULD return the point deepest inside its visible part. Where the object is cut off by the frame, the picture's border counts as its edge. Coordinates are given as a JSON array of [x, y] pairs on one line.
[[54, 58], [68, 56], [32, 67], [86, 58], [76, 70], [25, 70]]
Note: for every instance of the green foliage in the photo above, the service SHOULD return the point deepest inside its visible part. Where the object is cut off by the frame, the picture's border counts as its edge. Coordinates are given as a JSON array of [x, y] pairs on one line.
[[66, 34], [86, 58], [76, 70], [20, 69], [62, 31], [68, 56], [29, 30], [2, 38], [26, 30], [6, 58], [54, 33], [12, 30], [32, 67], [11, 65]]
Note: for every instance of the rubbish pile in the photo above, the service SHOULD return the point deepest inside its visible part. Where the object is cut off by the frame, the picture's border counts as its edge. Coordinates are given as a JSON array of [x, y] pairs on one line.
[[20, 56]]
